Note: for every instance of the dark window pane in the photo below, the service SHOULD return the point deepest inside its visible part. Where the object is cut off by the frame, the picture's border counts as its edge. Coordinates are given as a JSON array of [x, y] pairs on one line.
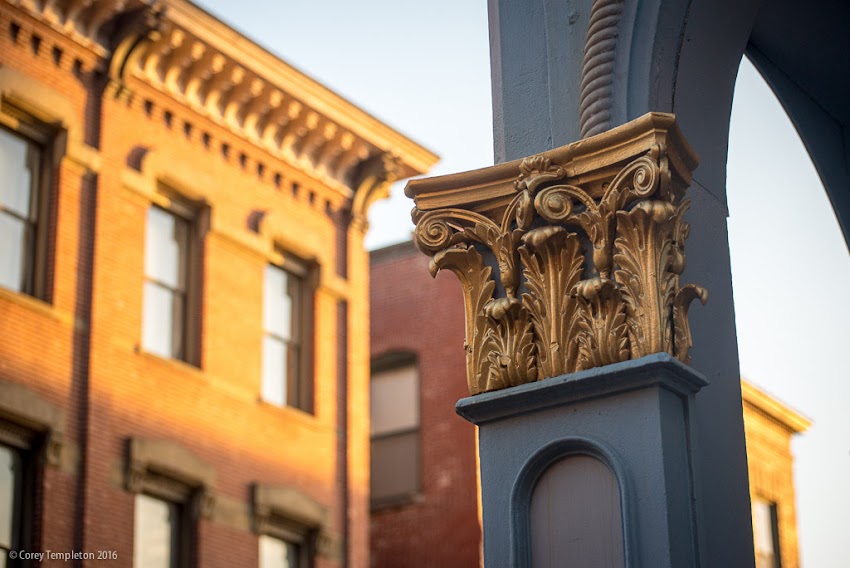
[[293, 553], [295, 299], [293, 375], [19, 161], [156, 533], [13, 247], [395, 466]]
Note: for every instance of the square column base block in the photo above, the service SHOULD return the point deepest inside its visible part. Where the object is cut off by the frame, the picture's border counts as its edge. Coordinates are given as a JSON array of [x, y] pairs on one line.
[[590, 469]]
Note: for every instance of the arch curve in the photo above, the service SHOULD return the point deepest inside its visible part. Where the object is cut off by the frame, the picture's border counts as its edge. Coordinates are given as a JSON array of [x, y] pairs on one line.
[[538, 465]]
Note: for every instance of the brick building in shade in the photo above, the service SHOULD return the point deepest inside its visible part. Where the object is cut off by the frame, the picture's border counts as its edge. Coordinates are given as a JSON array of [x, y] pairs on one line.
[[423, 486], [183, 292], [425, 510]]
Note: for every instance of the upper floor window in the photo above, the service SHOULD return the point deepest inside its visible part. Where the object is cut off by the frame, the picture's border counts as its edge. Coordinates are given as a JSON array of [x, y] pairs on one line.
[[287, 318], [167, 321], [394, 427], [23, 210]]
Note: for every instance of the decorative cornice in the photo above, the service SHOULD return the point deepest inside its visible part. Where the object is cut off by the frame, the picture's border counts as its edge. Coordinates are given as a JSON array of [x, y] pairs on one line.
[[570, 259], [597, 71], [206, 65], [88, 22], [769, 406], [176, 61], [189, 55]]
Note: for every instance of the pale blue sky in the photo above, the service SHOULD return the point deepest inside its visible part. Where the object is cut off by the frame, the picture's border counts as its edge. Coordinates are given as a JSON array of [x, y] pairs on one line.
[[423, 67]]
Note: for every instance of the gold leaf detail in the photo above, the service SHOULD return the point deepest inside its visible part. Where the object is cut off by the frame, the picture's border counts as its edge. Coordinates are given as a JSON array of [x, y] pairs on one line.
[[511, 345], [643, 251], [589, 263], [477, 285], [602, 338], [536, 170], [552, 261], [681, 303]]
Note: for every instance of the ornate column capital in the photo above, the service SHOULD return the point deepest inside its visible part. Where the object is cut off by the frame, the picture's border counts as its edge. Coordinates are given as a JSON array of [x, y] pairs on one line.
[[570, 259]]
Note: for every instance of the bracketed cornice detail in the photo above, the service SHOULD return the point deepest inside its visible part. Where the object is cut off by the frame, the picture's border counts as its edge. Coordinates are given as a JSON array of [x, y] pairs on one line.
[[568, 260], [89, 22], [187, 54], [227, 91]]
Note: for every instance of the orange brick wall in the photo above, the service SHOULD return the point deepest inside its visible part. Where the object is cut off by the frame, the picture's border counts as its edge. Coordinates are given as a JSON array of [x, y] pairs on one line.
[[81, 351], [42, 344]]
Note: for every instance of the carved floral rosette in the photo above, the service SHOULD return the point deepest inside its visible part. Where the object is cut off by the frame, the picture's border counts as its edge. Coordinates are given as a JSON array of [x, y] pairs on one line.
[[567, 272]]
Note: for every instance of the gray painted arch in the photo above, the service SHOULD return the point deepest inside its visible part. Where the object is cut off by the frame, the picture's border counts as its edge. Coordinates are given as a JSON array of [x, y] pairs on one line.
[[682, 56]]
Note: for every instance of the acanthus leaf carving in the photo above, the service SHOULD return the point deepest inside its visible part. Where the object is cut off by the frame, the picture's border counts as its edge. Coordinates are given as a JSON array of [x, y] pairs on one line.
[[477, 285], [643, 255], [511, 345], [589, 261], [602, 337], [552, 263], [681, 303]]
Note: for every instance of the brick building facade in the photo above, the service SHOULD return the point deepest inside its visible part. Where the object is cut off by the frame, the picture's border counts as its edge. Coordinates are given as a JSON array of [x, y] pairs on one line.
[[184, 299], [769, 426], [433, 519]]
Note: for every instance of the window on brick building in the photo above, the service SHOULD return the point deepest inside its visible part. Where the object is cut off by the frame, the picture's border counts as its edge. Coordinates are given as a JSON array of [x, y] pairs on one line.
[[287, 329], [24, 189], [31, 432], [289, 524], [169, 326], [11, 501], [766, 529], [395, 454], [281, 553], [173, 490], [157, 533]]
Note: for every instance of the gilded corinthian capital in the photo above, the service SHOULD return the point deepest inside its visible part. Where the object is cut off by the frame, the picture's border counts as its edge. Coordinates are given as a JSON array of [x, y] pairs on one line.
[[570, 259]]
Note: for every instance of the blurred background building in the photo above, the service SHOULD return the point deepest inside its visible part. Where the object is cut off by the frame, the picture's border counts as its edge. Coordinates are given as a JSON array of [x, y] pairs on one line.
[[183, 292], [424, 483]]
